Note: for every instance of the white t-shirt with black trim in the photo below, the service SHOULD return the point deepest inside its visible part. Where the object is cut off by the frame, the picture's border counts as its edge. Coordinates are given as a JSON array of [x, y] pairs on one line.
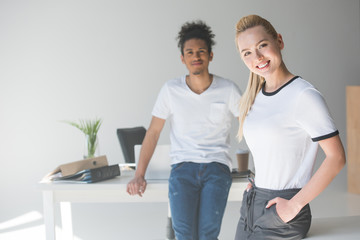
[[282, 130], [199, 123]]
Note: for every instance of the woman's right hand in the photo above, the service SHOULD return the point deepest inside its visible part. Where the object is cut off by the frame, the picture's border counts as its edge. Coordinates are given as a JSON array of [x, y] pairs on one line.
[[136, 186], [248, 187]]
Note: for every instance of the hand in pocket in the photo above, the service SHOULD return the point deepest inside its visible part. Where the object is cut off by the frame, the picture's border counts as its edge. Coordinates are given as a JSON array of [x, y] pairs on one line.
[[284, 208]]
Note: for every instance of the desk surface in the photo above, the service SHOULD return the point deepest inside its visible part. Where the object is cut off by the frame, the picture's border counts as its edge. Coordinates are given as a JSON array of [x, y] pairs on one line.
[[114, 190]]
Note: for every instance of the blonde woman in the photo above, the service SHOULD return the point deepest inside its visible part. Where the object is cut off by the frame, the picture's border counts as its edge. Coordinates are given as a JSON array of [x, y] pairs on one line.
[[283, 119]]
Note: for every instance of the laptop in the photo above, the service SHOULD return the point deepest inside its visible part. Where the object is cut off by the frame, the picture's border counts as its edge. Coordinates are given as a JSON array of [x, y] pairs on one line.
[[159, 166]]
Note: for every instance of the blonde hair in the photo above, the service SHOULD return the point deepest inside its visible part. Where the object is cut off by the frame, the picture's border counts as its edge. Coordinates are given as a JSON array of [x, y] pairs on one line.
[[255, 82]]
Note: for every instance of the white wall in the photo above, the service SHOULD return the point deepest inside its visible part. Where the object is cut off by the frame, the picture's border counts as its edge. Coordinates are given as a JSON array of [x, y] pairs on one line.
[[70, 60]]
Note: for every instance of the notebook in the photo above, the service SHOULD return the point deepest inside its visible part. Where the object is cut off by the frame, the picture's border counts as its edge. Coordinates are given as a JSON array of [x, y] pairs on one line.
[[159, 166]]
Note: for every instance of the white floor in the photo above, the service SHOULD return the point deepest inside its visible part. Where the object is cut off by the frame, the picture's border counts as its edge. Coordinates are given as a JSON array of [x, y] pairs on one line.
[[335, 228], [148, 221]]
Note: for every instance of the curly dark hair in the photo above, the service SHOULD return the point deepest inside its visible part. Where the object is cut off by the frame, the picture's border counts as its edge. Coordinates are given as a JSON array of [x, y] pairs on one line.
[[196, 29]]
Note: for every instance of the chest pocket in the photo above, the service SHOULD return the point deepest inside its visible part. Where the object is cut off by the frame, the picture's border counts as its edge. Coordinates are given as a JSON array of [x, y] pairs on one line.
[[217, 112]]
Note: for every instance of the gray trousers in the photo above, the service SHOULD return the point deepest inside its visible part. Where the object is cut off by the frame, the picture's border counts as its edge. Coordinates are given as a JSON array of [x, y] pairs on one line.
[[258, 222]]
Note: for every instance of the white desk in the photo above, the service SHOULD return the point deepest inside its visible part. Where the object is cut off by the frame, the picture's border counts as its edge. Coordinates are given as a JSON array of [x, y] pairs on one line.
[[113, 190]]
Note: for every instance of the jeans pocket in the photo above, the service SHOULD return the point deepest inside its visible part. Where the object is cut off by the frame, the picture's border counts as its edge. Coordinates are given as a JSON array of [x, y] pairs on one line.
[[177, 166], [224, 168]]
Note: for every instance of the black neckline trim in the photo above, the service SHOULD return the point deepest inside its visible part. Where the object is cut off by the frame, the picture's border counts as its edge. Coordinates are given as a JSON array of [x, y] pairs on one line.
[[278, 90]]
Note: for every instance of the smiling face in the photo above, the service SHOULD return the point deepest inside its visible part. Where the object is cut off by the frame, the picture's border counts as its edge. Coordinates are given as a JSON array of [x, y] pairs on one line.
[[260, 52], [196, 56]]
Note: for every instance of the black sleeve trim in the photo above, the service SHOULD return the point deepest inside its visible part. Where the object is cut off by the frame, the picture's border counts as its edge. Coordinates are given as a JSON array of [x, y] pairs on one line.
[[325, 136]]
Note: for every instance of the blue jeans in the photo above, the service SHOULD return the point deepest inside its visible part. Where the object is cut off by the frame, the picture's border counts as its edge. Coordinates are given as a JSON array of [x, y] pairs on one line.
[[198, 195]]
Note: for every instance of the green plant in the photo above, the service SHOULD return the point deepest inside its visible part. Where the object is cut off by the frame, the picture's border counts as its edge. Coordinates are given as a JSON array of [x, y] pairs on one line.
[[90, 128]]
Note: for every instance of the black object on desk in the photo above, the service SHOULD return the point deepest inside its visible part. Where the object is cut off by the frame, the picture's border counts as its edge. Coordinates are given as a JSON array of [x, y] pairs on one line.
[[91, 175], [243, 174]]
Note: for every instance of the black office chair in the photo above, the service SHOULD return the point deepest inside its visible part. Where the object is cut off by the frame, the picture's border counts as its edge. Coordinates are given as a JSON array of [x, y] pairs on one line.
[[128, 138]]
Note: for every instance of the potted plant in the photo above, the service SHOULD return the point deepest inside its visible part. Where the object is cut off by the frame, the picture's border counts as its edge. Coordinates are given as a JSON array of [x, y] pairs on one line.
[[90, 128]]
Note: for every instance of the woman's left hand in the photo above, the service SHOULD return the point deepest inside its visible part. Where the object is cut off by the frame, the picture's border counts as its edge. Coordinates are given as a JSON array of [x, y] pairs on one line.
[[285, 209]]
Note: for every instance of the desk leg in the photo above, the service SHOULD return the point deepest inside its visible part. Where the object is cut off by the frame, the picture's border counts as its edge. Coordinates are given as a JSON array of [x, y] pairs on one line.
[[170, 235], [66, 220], [49, 214]]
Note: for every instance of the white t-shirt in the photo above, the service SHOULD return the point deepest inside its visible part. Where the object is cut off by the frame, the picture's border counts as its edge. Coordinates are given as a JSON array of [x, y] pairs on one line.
[[199, 123], [282, 130]]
